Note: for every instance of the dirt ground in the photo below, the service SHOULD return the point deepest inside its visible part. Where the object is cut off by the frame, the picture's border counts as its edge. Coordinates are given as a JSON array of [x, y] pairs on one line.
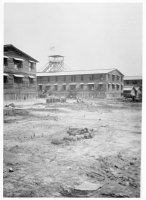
[[105, 165]]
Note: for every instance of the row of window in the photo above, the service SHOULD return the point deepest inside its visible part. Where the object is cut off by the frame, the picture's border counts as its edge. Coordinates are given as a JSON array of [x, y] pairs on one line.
[[92, 77], [132, 82], [90, 87], [18, 80], [18, 64]]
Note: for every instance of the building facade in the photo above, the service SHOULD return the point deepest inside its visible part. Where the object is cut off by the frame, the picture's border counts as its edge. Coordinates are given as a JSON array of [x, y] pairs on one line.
[[101, 83], [20, 82], [130, 81]]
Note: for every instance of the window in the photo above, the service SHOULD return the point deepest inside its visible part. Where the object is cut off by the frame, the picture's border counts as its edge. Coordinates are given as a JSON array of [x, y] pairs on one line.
[[91, 86], [127, 82], [55, 87], [31, 81], [100, 87], [64, 78], [118, 78], [5, 79], [82, 77], [18, 80], [113, 86], [72, 87], [118, 87], [113, 77], [31, 66], [56, 78], [17, 64], [64, 87], [134, 82], [73, 78], [91, 77], [48, 79], [108, 86], [47, 87], [82, 86], [40, 87], [5, 62], [101, 77]]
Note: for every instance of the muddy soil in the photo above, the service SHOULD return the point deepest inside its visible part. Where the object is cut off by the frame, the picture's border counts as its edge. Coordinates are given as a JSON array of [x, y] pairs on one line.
[[36, 167]]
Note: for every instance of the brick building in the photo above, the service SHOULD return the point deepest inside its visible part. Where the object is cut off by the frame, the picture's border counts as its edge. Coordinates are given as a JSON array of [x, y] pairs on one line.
[[20, 81], [100, 83]]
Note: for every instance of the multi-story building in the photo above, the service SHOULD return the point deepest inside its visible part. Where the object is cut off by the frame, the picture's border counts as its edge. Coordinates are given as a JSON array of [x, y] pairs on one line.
[[130, 81], [100, 83], [20, 81]]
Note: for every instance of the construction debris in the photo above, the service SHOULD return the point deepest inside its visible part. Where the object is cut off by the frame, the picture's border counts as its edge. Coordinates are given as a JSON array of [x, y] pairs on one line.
[[74, 134], [54, 99]]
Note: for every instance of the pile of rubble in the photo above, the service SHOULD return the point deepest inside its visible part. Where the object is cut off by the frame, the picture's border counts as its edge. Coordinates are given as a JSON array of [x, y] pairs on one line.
[[74, 134], [54, 99]]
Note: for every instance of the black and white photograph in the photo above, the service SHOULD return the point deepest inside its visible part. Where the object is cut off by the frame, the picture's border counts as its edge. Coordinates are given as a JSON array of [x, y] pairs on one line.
[[72, 99]]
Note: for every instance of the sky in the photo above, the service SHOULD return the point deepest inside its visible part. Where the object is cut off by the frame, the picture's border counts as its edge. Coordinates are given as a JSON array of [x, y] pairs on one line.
[[89, 35]]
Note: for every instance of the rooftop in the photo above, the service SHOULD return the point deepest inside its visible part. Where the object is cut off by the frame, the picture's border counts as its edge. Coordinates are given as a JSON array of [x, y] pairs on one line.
[[10, 46], [77, 72], [133, 78]]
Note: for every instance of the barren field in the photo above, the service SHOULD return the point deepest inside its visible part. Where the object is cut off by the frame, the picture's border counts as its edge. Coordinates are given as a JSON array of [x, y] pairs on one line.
[[89, 149]]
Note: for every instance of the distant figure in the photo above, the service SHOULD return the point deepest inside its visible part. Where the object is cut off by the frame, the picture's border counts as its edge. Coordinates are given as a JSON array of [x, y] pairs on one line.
[[133, 93]]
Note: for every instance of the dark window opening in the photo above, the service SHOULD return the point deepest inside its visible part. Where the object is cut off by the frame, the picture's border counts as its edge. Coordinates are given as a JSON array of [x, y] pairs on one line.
[[108, 86], [40, 87], [55, 87], [72, 87], [91, 77], [18, 80], [82, 77], [134, 82], [31, 80], [91, 87], [101, 77], [5, 62], [113, 77], [118, 87], [82, 86], [31, 66], [73, 78], [113, 86], [64, 78], [64, 87], [48, 79], [56, 78], [17, 64], [48, 87], [100, 87], [5, 79]]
